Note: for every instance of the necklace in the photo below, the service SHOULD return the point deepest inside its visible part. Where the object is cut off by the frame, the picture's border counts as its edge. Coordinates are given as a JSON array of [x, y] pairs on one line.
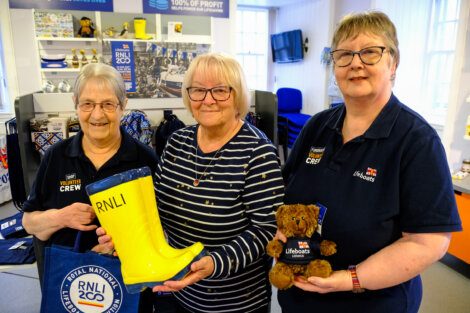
[[197, 180]]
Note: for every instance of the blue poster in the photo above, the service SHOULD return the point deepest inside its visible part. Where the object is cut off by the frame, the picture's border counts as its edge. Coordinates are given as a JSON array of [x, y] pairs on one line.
[[81, 5], [122, 53], [215, 8]]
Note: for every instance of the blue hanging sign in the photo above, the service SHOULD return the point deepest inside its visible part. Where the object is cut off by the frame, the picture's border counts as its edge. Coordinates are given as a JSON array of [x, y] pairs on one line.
[[81, 5], [123, 60], [215, 8]]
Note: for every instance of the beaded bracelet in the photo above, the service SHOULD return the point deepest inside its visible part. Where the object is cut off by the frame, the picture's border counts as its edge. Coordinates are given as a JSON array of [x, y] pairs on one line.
[[355, 280]]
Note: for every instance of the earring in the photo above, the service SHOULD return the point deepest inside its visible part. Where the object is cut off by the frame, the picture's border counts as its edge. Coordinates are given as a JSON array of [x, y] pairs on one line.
[[393, 76]]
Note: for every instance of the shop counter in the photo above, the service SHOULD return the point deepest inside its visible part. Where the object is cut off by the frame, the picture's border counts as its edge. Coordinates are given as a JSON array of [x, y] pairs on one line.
[[458, 255]]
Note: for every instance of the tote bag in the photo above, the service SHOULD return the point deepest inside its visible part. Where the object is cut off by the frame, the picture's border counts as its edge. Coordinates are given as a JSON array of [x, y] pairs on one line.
[[84, 282]]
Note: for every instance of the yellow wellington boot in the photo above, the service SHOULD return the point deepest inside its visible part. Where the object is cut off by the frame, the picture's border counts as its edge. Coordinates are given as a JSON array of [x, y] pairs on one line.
[[140, 25], [125, 206]]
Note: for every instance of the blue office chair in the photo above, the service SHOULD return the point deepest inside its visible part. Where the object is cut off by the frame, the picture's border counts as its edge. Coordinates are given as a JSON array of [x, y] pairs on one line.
[[290, 120]]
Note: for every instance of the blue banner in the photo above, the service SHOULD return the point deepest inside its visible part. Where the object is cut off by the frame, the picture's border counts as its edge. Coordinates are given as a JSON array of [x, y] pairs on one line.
[[123, 60], [81, 5], [215, 8]]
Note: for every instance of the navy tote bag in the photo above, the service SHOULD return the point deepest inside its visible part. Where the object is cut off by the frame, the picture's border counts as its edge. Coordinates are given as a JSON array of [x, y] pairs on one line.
[[84, 282]]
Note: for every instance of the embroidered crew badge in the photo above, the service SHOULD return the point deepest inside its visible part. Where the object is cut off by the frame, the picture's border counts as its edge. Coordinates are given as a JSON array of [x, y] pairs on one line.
[[314, 155], [368, 175], [70, 183]]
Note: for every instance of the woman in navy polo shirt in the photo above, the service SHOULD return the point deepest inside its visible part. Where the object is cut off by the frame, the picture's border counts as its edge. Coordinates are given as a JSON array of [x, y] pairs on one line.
[[58, 206], [380, 173]]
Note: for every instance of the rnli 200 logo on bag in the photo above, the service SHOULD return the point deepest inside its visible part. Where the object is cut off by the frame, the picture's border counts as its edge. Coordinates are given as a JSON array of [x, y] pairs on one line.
[[91, 289]]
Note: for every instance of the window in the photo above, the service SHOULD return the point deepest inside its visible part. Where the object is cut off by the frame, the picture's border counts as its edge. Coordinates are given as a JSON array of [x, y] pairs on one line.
[[427, 53], [252, 45], [439, 57]]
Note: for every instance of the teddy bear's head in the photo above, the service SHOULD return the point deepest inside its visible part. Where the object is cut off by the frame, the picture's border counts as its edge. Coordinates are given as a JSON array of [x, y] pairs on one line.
[[297, 220], [85, 22]]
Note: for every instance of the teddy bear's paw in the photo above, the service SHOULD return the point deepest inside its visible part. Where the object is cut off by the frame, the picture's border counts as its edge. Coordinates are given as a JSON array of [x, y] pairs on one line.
[[274, 248], [319, 268], [327, 247], [281, 276]]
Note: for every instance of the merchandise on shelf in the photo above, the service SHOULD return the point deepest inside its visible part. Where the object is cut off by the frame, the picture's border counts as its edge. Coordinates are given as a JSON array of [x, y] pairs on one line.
[[50, 24], [87, 29]]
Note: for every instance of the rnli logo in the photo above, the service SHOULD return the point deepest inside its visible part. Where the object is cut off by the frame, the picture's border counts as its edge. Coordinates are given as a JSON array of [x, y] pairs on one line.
[[91, 289], [314, 155], [71, 183], [368, 175]]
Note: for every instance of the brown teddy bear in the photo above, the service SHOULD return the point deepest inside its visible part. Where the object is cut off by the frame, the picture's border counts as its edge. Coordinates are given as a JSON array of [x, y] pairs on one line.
[[86, 28], [299, 255]]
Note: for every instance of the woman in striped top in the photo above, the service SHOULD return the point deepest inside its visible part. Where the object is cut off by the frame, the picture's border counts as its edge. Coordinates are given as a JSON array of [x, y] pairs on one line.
[[219, 182]]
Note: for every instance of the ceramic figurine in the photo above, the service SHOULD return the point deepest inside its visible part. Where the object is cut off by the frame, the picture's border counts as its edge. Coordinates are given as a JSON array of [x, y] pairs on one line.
[[84, 59], [94, 59], [124, 30], [75, 61]]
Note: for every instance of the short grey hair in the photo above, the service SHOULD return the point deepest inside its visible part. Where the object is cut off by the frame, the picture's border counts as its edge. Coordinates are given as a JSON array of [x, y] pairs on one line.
[[224, 68], [106, 75]]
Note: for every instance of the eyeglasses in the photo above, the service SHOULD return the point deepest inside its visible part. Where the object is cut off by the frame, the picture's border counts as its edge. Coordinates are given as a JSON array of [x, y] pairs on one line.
[[369, 55], [106, 106], [220, 93]]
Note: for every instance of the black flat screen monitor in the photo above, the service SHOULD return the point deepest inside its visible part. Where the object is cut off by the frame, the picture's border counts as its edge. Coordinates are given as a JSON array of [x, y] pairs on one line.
[[287, 46]]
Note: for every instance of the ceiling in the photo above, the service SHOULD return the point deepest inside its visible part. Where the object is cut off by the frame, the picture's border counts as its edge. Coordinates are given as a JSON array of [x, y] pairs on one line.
[[267, 3]]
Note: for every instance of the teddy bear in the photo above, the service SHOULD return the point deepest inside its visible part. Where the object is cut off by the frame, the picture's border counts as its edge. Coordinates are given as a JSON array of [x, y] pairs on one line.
[[299, 255], [86, 28]]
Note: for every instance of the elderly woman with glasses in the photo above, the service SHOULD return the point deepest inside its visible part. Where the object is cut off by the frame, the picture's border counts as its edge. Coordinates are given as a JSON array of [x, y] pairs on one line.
[[58, 206], [219, 182], [381, 176]]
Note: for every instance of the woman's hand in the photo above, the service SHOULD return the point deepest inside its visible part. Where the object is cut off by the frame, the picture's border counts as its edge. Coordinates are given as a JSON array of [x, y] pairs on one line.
[[337, 281], [199, 270], [43, 224], [78, 216], [105, 242]]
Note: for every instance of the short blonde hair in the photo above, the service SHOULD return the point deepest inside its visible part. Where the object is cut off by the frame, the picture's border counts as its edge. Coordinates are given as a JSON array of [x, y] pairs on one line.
[[106, 75], [369, 22], [224, 68]]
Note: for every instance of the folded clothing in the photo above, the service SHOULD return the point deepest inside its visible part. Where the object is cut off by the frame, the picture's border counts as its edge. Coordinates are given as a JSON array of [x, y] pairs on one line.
[[17, 251]]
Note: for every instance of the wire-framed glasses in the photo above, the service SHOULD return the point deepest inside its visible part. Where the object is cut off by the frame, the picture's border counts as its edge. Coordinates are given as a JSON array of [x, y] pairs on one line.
[[369, 55], [220, 93], [107, 106]]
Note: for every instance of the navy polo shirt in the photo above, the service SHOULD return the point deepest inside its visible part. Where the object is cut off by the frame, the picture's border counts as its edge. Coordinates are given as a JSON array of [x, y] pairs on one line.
[[392, 179], [65, 171]]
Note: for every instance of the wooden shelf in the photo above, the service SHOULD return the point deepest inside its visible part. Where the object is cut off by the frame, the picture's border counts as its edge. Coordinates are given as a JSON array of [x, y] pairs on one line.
[[65, 39], [60, 69]]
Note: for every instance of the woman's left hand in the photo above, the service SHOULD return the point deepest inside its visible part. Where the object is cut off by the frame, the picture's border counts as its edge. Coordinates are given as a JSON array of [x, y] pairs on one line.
[[337, 281], [199, 270]]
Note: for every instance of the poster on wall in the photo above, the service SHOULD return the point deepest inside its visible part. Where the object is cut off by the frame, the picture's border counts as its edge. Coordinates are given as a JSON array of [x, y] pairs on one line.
[[214, 8], [81, 5], [122, 56], [159, 67]]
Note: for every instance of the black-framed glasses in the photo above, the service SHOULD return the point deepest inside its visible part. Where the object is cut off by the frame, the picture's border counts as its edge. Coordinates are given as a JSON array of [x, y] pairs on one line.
[[220, 93], [369, 55], [107, 106]]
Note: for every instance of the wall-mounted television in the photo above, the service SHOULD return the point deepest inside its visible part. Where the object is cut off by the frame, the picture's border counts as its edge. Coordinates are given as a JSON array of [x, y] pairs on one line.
[[287, 46]]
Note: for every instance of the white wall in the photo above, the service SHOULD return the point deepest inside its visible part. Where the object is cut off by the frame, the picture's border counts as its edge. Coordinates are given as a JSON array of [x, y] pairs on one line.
[[317, 20], [313, 18]]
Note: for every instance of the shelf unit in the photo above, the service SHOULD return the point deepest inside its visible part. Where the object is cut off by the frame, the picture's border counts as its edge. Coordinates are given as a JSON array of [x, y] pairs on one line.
[[199, 30]]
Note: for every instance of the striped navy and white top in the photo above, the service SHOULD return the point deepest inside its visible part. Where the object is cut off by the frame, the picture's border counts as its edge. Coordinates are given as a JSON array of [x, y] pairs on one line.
[[231, 211]]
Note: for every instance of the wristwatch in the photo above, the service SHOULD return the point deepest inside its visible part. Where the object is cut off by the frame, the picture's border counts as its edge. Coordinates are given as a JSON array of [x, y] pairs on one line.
[[355, 280]]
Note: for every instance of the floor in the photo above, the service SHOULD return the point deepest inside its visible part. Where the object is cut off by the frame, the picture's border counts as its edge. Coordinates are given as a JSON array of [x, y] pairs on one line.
[[445, 290]]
